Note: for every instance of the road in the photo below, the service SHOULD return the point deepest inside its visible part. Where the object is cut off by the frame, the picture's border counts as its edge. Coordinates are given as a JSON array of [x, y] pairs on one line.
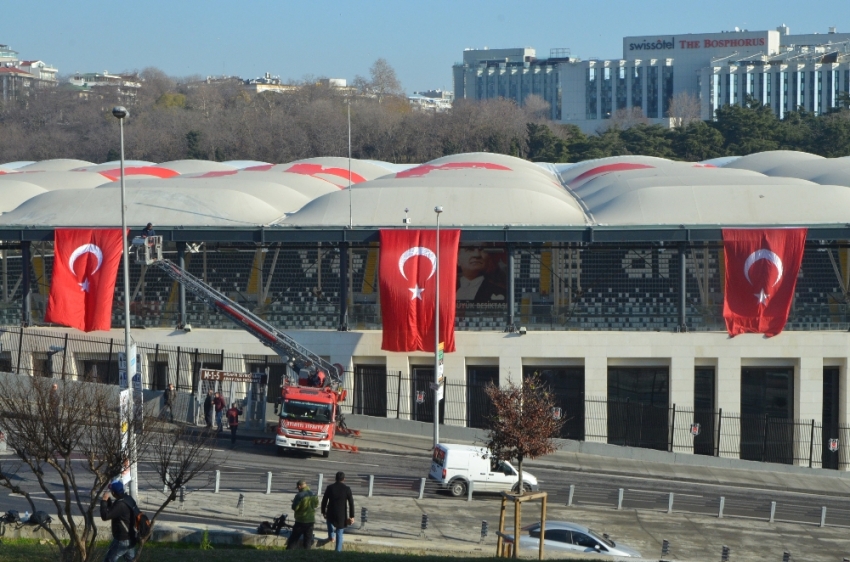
[[246, 470]]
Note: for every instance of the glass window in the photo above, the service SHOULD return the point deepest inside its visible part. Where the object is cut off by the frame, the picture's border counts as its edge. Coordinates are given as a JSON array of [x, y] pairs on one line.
[[567, 384], [667, 88], [590, 94], [767, 91], [478, 406], [607, 93], [580, 539], [622, 101], [652, 92], [767, 414], [638, 399], [704, 409], [637, 87], [370, 390]]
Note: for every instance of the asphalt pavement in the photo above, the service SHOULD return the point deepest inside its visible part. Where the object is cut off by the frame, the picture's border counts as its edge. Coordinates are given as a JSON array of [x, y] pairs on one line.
[[394, 464]]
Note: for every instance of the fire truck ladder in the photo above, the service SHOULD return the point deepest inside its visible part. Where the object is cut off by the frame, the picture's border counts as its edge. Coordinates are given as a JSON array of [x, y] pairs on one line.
[[149, 251]]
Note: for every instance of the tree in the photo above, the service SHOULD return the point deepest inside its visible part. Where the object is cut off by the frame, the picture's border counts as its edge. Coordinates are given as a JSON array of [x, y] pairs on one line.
[[747, 129], [522, 423], [626, 118], [68, 443], [383, 81], [684, 109]]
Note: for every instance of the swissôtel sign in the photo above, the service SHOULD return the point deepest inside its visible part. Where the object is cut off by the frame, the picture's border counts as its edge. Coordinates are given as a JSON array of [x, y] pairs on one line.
[[668, 43]]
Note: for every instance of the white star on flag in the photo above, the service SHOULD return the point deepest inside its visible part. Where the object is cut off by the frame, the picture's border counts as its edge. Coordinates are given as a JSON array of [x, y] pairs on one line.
[[84, 285], [417, 292], [761, 296]]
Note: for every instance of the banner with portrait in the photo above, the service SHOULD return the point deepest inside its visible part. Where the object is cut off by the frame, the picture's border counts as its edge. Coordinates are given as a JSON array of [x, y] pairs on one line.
[[482, 278]]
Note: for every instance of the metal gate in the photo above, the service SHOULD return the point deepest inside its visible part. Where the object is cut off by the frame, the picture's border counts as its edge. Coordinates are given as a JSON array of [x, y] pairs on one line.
[[247, 390]]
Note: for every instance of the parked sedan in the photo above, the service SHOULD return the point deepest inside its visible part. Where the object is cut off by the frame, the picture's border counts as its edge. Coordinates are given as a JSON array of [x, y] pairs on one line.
[[565, 536]]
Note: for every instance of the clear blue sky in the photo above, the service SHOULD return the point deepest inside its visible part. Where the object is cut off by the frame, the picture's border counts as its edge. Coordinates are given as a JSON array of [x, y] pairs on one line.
[[340, 39]]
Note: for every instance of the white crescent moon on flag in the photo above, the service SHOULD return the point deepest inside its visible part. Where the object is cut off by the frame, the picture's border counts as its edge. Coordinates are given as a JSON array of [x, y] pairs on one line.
[[86, 249], [417, 251], [763, 255]]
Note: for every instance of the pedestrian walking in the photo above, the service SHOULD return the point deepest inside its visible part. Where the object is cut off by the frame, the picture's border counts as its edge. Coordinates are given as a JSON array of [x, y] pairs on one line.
[[53, 399], [304, 506], [120, 512], [233, 421], [220, 405], [169, 400], [336, 497], [209, 407]]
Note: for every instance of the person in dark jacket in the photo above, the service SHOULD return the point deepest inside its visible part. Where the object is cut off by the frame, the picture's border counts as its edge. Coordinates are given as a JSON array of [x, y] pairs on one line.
[[336, 497], [304, 506], [169, 400], [120, 512], [233, 421], [209, 407], [148, 231]]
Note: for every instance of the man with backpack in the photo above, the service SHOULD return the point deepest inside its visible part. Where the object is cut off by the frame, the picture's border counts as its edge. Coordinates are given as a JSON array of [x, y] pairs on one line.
[[121, 511], [304, 506]]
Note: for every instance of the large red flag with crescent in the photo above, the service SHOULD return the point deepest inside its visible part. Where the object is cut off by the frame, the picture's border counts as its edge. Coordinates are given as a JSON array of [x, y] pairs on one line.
[[761, 275], [408, 279], [85, 266]]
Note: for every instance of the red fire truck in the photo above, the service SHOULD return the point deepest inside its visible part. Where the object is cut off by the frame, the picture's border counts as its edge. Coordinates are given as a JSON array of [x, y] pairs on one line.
[[308, 418]]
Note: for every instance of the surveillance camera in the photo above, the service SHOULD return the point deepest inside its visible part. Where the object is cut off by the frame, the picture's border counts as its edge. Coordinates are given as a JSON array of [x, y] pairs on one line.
[[187, 328]]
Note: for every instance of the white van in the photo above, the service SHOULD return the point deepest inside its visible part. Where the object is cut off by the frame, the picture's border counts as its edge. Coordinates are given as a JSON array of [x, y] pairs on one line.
[[454, 466]]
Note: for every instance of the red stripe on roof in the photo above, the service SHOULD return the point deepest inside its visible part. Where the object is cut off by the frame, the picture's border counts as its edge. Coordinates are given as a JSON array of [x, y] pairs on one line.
[[115, 173], [426, 169], [608, 168], [316, 169]]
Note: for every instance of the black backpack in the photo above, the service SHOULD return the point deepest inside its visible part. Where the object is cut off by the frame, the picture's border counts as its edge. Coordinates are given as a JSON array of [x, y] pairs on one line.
[[40, 519], [11, 516]]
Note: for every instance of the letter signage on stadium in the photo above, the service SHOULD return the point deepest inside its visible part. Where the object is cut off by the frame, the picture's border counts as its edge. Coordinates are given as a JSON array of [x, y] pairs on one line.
[[657, 45]]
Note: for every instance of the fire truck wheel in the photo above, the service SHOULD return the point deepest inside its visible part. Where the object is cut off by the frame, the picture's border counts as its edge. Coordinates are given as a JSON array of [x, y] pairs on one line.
[[281, 451], [326, 454]]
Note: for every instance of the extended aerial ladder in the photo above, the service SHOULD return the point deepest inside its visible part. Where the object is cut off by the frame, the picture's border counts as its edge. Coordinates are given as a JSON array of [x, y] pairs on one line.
[[149, 252]]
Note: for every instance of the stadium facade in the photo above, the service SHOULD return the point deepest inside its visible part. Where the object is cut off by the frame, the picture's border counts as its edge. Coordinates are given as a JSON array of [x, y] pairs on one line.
[[782, 71], [606, 277]]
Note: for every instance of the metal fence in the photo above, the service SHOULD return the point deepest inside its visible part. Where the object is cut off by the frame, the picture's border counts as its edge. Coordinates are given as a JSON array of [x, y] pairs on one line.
[[594, 286], [45, 354], [718, 433]]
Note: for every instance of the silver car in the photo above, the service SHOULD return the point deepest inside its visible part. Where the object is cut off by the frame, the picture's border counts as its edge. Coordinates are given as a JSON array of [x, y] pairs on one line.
[[561, 535]]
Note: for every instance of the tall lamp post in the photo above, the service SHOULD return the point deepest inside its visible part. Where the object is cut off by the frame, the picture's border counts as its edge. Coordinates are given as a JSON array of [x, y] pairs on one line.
[[121, 113], [438, 209]]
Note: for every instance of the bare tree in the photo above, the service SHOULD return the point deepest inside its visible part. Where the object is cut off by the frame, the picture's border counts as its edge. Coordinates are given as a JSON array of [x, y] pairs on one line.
[[537, 108], [684, 109], [627, 117], [522, 423], [68, 444]]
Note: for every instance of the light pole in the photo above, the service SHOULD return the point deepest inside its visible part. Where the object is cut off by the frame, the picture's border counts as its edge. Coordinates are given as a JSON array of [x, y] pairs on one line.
[[121, 113], [438, 209]]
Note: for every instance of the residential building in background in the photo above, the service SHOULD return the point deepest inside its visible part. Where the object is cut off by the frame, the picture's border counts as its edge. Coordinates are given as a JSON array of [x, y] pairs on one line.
[[18, 78], [433, 100], [121, 87]]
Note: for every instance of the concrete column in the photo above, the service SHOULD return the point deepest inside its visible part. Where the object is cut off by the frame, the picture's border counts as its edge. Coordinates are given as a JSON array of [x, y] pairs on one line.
[[596, 389], [808, 405], [26, 289], [454, 370], [843, 403], [181, 261], [729, 400], [682, 395], [510, 368], [395, 363]]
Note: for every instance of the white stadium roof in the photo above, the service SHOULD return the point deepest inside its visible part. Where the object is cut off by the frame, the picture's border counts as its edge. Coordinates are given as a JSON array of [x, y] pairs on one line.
[[476, 190]]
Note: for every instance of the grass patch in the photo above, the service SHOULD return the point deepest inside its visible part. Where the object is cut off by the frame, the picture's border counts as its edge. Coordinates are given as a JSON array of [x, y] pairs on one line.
[[28, 550]]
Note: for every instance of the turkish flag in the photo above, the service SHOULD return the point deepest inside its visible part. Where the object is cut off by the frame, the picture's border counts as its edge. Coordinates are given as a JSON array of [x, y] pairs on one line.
[[85, 266], [761, 274], [408, 283]]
